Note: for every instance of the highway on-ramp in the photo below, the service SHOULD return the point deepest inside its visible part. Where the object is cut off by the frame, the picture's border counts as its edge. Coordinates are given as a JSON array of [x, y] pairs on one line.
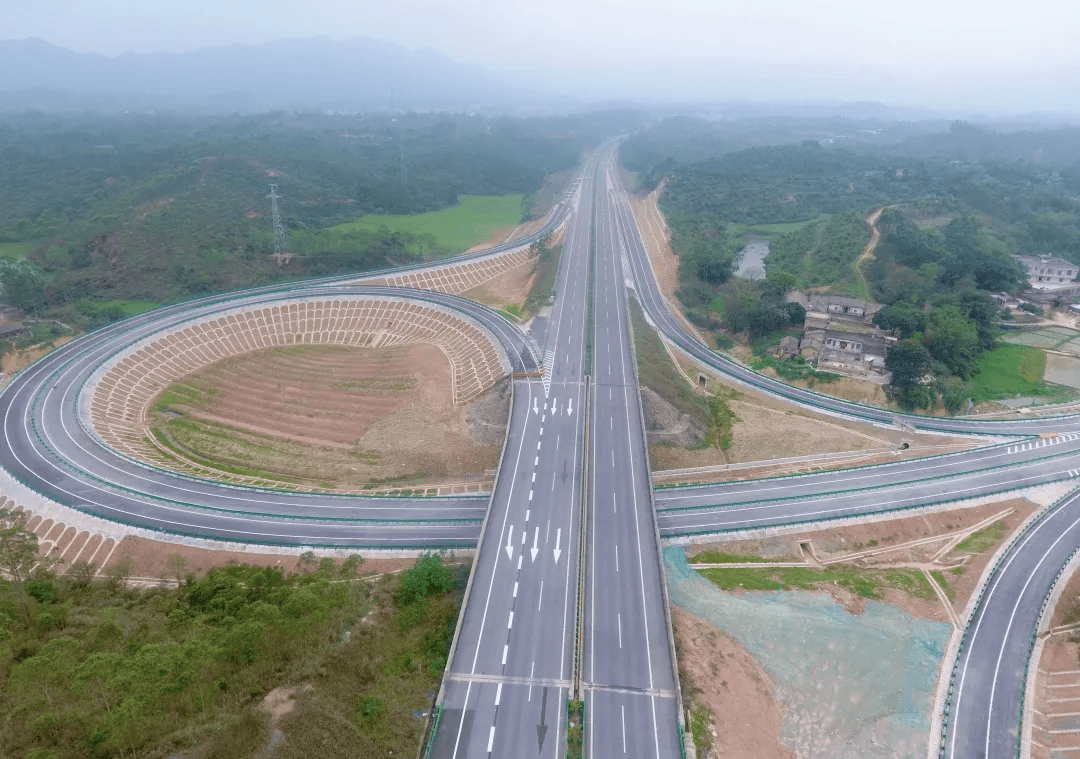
[[513, 665]]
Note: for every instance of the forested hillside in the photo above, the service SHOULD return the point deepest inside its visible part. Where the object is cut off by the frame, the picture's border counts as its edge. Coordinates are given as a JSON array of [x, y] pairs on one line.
[[161, 208], [959, 203]]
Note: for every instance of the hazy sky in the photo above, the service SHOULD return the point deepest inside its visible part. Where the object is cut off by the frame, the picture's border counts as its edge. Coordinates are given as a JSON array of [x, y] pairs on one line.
[[875, 42]]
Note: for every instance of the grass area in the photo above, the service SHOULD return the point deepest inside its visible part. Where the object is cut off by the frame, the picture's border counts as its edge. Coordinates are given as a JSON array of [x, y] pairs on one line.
[[39, 333], [16, 249], [940, 579], [472, 221], [658, 372], [982, 540], [1010, 370], [700, 718], [868, 583], [575, 729], [719, 557], [546, 273], [775, 230], [792, 369], [124, 307], [90, 668]]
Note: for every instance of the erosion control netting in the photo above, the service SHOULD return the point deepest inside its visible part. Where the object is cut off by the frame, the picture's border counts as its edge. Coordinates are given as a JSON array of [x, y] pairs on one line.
[[850, 685]]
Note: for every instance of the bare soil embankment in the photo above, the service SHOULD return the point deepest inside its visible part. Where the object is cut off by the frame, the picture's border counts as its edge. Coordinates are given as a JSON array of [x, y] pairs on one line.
[[334, 418]]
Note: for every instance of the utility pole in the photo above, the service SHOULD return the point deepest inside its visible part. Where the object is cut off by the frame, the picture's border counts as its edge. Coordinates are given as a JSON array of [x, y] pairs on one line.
[[281, 255]]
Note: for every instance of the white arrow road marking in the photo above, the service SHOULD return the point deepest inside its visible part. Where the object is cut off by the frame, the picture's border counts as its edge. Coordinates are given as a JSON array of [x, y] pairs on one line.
[[509, 548], [558, 551], [570, 407], [536, 410], [554, 406], [535, 550]]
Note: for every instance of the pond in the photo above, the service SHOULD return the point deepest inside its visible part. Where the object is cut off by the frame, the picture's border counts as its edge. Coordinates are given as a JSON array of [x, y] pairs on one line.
[[750, 261]]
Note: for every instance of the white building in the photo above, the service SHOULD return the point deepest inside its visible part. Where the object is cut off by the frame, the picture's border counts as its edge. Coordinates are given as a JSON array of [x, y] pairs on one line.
[[1047, 270]]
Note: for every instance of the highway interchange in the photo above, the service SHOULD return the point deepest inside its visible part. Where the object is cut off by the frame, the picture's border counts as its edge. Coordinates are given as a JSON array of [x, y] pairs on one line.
[[526, 641]]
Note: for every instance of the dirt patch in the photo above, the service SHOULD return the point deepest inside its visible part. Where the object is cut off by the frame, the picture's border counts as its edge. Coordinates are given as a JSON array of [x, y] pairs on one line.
[[1062, 370], [745, 718], [1057, 691], [666, 427], [507, 289], [851, 389], [331, 417], [13, 361], [769, 428], [280, 701], [489, 414]]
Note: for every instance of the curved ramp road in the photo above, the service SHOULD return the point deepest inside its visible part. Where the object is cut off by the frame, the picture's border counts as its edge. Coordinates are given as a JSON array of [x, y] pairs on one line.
[[513, 664], [983, 714], [48, 448]]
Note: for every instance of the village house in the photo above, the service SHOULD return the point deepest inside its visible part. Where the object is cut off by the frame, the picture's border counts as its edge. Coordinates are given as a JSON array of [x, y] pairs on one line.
[[839, 335]]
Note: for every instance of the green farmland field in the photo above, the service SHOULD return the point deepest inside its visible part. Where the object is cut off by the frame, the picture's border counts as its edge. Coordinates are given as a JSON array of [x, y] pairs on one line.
[[473, 220]]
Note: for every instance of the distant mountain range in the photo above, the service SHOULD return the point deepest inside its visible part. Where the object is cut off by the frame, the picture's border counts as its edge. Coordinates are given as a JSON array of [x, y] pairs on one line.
[[287, 74]]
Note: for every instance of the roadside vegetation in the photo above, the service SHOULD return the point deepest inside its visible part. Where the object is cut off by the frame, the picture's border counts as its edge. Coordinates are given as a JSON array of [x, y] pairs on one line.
[[545, 275], [710, 413], [868, 583], [115, 210], [958, 204], [90, 667], [450, 230]]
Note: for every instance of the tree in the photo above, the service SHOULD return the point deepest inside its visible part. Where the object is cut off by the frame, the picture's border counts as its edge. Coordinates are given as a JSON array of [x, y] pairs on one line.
[[23, 284], [427, 577], [954, 394], [176, 563], [18, 545], [120, 572], [953, 340], [783, 280], [909, 362], [902, 316]]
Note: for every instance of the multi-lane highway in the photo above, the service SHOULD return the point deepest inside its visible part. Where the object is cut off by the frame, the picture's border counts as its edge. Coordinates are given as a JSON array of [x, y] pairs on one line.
[[513, 666], [982, 716], [628, 668]]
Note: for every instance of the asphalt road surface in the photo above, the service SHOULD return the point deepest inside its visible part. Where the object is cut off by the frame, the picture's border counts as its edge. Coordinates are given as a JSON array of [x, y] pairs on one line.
[[47, 448], [513, 661], [628, 669], [983, 716], [511, 669]]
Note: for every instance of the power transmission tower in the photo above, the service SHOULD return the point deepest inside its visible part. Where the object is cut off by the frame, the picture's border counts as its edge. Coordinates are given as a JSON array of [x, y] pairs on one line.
[[281, 255]]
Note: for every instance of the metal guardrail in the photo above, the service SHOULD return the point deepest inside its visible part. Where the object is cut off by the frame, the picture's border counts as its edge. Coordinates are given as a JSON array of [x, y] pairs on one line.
[[945, 719], [405, 293], [795, 475], [870, 488]]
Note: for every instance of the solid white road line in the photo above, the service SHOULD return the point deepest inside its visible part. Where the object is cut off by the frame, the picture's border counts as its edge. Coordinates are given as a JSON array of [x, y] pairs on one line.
[[461, 724], [622, 708]]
